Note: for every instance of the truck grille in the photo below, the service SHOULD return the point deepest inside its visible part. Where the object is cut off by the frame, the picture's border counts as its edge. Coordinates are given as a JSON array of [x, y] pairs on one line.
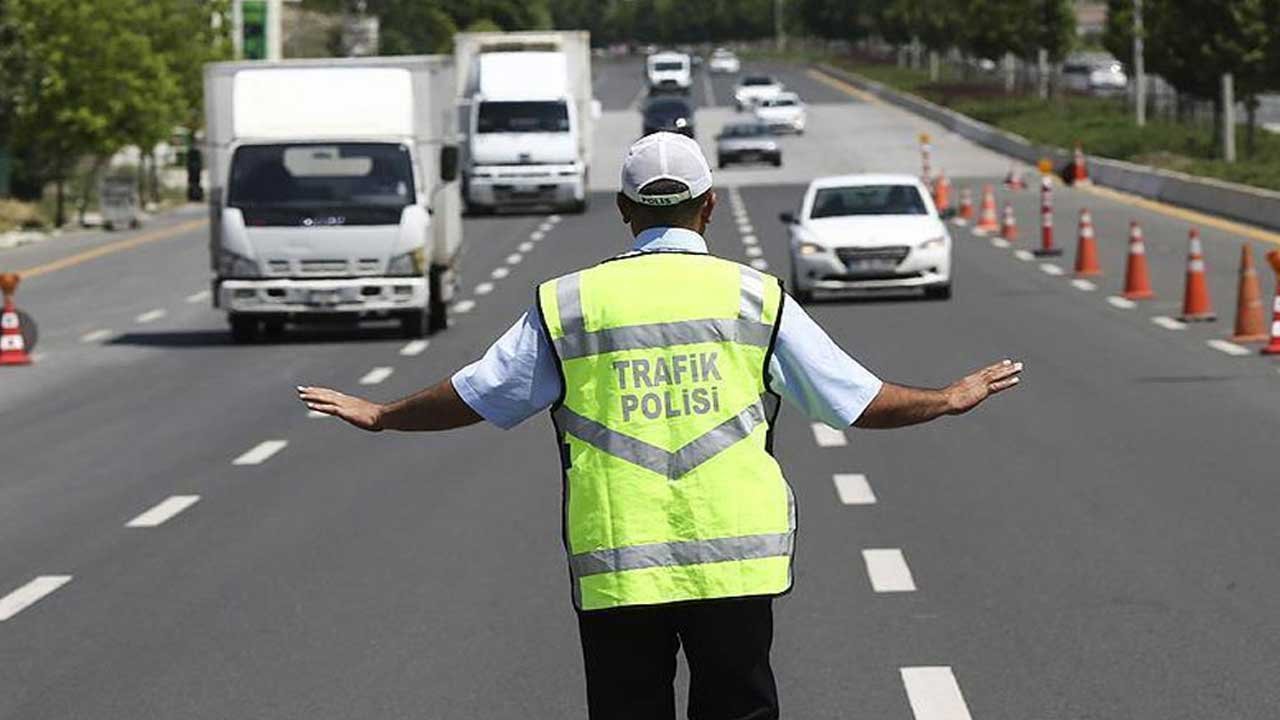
[[325, 267]]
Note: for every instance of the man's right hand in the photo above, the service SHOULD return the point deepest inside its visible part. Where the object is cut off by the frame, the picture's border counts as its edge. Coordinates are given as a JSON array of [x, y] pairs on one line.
[[359, 412]]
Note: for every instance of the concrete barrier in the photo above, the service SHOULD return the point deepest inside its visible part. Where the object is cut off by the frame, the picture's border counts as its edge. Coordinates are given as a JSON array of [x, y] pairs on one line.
[[1255, 206]]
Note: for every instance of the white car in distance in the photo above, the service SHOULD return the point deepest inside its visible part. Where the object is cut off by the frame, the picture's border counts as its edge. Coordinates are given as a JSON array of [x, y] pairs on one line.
[[724, 62], [784, 113], [669, 71], [754, 88], [868, 233]]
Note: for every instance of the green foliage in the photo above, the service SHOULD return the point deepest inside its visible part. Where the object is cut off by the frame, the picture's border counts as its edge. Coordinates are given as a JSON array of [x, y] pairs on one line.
[[413, 27]]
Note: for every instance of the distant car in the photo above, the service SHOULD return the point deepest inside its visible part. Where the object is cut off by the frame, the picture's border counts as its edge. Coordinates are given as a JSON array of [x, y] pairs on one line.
[[868, 232], [1095, 74], [754, 88], [724, 62], [669, 71], [670, 113], [747, 142], [784, 113]]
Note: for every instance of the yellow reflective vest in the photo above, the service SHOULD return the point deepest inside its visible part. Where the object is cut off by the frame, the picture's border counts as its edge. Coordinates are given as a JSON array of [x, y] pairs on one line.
[[671, 493]]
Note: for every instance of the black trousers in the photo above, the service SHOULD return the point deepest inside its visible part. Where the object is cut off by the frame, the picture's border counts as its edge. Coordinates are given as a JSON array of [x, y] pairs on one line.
[[630, 657]]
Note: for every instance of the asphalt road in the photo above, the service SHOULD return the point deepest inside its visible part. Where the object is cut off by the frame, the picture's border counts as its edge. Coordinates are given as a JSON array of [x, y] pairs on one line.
[[1099, 543]]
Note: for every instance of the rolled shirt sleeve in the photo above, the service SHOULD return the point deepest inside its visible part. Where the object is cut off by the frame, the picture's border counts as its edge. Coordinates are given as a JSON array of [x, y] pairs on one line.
[[516, 378], [811, 372]]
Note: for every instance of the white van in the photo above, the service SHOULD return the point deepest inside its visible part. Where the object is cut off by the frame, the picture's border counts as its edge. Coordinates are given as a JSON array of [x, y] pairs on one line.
[[669, 71]]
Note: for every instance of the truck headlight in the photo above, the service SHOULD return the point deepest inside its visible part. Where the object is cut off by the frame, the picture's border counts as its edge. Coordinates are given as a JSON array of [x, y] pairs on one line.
[[410, 264], [231, 265], [933, 243]]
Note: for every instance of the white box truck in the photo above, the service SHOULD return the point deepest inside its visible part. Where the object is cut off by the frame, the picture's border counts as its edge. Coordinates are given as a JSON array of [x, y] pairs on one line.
[[527, 111], [333, 192]]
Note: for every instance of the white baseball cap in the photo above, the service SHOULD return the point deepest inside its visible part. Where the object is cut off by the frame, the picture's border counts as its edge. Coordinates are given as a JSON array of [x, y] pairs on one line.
[[665, 156]]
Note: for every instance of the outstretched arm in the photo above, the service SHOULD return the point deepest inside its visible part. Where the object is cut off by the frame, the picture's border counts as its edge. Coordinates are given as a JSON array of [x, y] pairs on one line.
[[436, 408], [899, 406]]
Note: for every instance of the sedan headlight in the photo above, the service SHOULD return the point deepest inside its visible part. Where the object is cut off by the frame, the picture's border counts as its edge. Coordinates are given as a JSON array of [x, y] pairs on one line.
[[231, 265], [410, 264], [808, 248], [933, 243]]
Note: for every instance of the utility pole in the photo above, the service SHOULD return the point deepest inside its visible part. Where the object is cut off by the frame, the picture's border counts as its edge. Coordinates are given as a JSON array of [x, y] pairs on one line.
[[1228, 118], [1139, 67], [779, 34]]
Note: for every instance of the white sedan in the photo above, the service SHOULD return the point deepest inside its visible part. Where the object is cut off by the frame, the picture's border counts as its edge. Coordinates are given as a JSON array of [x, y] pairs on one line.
[[724, 61], [868, 233], [754, 88], [784, 113]]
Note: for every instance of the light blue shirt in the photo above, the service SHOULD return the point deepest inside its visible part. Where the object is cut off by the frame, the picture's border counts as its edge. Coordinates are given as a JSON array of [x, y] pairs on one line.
[[517, 378]]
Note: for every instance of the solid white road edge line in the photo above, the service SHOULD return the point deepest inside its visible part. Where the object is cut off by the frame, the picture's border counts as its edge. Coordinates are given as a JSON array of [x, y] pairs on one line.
[[1168, 323], [29, 594], [1121, 302], [151, 316], [198, 296], [464, 306], [854, 489], [888, 571], [261, 452], [95, 336], [827, 436], [934, 693], [1228, 347], [377, 375], [164, 511], [1082, 284], [414, 348]]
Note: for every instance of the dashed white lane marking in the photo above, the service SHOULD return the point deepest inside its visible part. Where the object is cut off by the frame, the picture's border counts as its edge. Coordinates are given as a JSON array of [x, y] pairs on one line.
[[198, 296], [1169, 323], [484, 288], [1121, 302], [759, 264], [934, 693], [749, 240], [1024, 255], [537, 235], [414, 348], [545, 227], [163, 512], [553, 219], [1082, 284], [514, 258], [999, 242], [827, 436], [464, 306], [979, 232], [261, 452], [525, 246], [316, 414], [96, 336], [888, 570], [151, 316], [746, 229], [499, 273], [29, 594], [1228, 347], [377, 375], [854, 489], [1050, 269], [754, 251]]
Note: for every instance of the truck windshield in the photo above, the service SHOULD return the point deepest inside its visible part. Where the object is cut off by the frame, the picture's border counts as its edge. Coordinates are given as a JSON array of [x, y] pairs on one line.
[[357, 179], [668, 66], [523, 117]]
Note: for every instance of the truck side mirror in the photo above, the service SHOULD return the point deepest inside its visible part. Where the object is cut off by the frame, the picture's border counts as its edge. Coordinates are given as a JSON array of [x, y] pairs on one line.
[[449, 157], [788, 218]]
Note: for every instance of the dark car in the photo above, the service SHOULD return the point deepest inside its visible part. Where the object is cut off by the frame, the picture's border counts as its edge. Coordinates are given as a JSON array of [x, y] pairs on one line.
[[746, 142], [669, 113]]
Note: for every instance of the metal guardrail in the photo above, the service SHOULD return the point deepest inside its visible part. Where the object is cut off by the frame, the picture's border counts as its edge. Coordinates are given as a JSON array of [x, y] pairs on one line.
[[1255, 206]]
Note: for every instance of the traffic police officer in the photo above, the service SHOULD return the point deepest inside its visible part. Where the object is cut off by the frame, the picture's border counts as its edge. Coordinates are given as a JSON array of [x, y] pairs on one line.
[[662, 368]]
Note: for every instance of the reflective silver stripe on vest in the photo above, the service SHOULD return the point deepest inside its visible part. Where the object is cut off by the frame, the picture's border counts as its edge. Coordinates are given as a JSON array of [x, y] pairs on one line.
[[752, 295], [672, 465], [658, 335], [569, 302], [687, 552]]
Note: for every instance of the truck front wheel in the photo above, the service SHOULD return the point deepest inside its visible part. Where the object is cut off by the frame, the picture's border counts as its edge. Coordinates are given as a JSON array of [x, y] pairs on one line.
[[244, 329], [437, 309], [415, 324]]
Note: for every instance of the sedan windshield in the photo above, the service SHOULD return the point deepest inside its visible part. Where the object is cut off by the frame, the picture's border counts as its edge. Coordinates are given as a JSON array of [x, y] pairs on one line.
[[523, 117], [746, 130], [757, 80], [867, 200]]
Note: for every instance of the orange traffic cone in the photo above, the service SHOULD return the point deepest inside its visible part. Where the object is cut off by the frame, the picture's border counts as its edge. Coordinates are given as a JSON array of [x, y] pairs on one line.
[[1273, 348], [966, 207], [942, 192], [1137, 281], [1196, 304], [1047, 248], [1079, 169], [1087, 264], [1013, 180], [988, 221], [1251, 324], [13, 347], [1009, 228]]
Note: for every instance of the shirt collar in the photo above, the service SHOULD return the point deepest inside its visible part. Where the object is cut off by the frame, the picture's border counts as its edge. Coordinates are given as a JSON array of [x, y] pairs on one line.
[[669, 238]]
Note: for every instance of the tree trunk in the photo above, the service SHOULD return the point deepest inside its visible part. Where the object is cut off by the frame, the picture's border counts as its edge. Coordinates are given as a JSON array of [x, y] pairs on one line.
[[155, 177], [86, 192], [1251, 124], [1217, 127], [59, 216]]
